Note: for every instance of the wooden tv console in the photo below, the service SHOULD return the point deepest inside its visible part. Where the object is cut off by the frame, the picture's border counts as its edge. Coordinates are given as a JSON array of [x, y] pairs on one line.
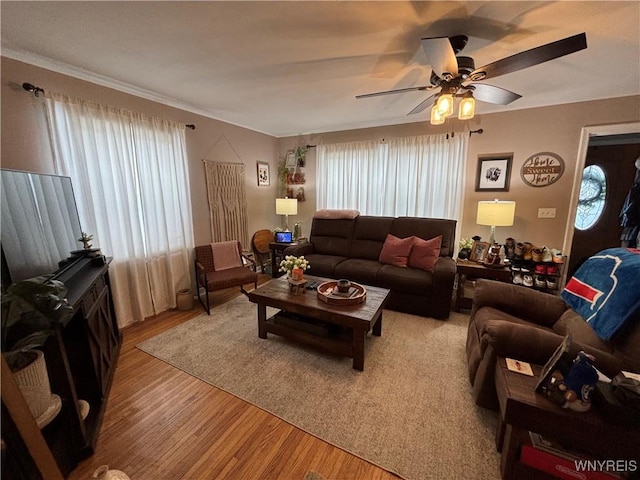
[[81, 359]]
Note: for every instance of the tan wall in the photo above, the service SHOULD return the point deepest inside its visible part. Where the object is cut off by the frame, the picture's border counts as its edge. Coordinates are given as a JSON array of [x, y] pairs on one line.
[[25, 143], [525, 132], [554, 129]]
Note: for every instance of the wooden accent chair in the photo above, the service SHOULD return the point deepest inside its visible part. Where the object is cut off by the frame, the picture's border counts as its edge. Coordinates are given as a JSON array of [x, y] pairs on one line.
[[260, 247], [222, 265]]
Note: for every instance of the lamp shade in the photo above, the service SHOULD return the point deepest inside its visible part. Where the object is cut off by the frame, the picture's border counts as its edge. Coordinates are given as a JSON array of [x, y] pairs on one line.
[[445, 104], [467, 108], [286, 206], [436, 118], [496, 213]]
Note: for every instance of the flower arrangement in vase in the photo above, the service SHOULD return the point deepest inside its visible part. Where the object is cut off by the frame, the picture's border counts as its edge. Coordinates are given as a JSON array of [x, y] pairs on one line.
[[294, 266]]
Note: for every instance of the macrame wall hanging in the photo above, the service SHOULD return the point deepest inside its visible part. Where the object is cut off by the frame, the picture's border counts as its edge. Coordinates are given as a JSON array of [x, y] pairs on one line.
[[227, 198]]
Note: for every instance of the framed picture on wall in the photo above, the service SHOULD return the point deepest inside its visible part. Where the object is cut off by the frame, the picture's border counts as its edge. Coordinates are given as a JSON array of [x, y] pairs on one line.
[[494, 173], [263, 174], [290, 160]]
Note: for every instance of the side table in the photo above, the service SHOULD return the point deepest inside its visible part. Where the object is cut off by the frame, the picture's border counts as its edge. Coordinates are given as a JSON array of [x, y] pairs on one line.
[[523, 410], [277, 250], [468, 270]]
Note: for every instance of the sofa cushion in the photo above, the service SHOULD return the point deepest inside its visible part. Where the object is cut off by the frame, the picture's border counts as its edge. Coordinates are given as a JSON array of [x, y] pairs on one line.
[[570, 323], [395, 251], [331, 236], [359, 270], [405, 280], [427, 228], [323, 265], [424, 253], [369, 234]]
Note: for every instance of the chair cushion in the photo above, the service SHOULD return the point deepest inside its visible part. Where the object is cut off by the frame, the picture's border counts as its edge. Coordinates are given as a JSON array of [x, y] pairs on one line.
[[227, 278], [424, 253], [572, 323], [395, 251]]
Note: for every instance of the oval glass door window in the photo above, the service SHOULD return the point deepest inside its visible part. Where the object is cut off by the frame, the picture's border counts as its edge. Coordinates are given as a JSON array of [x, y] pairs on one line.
[[593, 190]]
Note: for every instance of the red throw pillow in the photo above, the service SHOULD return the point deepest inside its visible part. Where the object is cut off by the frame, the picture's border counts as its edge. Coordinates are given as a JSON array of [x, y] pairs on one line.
[[425, 253], [395, 251]]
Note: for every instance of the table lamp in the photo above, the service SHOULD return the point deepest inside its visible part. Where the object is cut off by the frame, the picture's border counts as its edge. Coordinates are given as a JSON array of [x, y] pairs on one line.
[[286, 206], [495, 214]]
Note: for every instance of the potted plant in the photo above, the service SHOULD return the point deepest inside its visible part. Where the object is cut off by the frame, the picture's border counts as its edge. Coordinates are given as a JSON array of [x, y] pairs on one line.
[[29, 308], [464, 248]]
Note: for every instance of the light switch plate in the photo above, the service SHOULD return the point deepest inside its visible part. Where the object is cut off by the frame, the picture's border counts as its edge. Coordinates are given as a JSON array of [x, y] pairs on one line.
[[546, 213]]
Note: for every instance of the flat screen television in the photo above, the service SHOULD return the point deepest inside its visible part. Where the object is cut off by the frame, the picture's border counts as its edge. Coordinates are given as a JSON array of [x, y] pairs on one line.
[[40, 224]]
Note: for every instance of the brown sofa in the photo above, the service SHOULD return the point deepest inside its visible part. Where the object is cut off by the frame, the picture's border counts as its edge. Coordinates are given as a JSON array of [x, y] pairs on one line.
[[350, 248], [513, 321]]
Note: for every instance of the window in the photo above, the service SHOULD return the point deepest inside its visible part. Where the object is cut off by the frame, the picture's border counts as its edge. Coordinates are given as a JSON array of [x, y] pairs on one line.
[[420, 176], [129, 173], [591, 200]]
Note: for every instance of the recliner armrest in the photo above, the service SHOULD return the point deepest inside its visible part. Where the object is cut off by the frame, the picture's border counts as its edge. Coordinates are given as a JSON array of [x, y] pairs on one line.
[[531, 305], [298, 250], [536, 345]]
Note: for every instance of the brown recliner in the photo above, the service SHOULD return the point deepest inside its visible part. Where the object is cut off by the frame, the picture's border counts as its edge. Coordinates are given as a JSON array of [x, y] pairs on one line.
[[517, 322], [211, 278]]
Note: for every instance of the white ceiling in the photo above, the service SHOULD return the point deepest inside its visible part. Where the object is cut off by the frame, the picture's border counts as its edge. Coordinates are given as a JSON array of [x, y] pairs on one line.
[[289, 68]]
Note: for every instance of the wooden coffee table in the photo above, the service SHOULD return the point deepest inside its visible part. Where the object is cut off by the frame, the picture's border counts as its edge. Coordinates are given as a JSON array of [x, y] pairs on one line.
[[358, 319], [523, 410]]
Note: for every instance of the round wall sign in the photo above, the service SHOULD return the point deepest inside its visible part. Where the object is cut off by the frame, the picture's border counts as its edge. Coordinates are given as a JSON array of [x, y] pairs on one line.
[[542, 169]]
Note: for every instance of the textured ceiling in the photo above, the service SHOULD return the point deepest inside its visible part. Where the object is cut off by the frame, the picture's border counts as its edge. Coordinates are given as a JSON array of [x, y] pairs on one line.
[[288, 68]]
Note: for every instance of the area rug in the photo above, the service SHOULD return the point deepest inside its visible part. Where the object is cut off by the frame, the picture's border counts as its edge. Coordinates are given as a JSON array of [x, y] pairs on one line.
[[410, 411]]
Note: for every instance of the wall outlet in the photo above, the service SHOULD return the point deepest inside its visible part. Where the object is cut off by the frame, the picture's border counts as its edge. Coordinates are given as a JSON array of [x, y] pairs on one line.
[[546, 213]]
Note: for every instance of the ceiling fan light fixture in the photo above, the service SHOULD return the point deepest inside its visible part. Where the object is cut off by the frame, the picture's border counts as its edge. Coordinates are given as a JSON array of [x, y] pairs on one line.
[[467, 108], [444, 104], [436, 118]]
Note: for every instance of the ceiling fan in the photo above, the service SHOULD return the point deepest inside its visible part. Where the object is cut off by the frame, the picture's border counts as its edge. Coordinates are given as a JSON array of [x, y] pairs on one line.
[[456, 76]]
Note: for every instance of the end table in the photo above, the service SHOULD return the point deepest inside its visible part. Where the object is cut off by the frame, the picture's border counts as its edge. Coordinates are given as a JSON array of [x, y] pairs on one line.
[[468, 270]]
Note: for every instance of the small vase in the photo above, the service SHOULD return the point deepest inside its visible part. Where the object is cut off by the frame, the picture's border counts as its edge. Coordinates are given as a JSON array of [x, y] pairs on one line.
[[103, 473], [296, 274], [184, 299]]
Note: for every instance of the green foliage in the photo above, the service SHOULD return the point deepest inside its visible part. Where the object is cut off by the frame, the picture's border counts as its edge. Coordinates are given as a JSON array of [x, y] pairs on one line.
[[465, 243], [29, 308]]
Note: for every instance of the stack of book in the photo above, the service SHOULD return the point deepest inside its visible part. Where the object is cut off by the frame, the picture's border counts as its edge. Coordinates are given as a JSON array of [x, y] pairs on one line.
[[348, 294]]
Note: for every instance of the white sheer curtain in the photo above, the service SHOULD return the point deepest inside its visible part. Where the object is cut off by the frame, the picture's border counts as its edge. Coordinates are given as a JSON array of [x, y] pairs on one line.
[[129, 173], [420, 176]]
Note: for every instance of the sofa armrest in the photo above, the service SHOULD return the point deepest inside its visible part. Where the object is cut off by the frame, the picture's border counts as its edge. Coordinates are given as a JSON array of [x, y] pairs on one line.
[[444, 276], [531, 305], [298, 250], [536, 345]]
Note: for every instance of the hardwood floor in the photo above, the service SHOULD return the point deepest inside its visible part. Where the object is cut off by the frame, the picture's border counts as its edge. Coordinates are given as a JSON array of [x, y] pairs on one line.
[[162, 423]]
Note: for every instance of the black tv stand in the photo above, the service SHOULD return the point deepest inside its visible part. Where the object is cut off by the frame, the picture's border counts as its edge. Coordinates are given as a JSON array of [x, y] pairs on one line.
[[81, 358]]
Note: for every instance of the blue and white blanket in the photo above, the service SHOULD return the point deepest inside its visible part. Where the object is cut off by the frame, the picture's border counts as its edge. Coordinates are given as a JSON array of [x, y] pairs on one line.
[[605, 290]]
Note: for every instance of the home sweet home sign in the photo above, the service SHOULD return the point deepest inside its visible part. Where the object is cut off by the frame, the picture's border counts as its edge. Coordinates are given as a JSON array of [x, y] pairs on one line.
[[542, 169]]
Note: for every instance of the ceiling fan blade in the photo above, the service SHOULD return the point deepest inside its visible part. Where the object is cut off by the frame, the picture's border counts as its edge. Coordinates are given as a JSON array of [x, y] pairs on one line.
[[441, 56], [493, 94], [532, 57], [399, 90], [422, 105]]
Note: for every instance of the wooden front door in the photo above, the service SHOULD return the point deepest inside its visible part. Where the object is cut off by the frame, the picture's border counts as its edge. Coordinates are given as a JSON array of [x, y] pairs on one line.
[[618, 164]]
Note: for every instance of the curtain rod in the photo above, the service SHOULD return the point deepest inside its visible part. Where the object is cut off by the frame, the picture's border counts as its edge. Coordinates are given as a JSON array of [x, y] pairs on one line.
[[37, 91], [471, 132]]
